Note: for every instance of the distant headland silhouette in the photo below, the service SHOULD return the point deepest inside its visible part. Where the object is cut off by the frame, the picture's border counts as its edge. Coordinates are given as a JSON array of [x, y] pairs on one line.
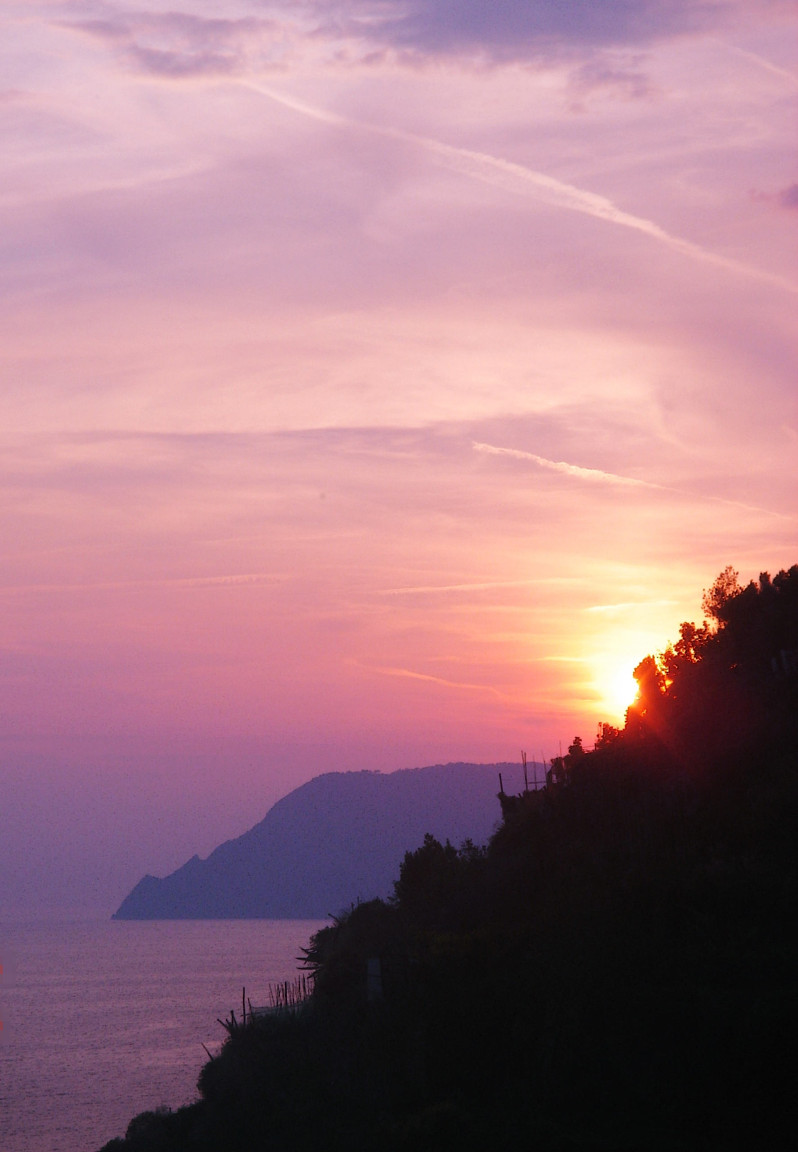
[[338, 838]]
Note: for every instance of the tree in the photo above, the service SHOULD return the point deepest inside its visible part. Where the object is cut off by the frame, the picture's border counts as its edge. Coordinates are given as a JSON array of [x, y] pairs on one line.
[[725, 588], [607, 735], [644, 712], [712, 692]]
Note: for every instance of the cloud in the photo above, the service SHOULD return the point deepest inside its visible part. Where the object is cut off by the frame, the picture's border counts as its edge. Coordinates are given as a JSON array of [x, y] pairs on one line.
[[178, 45], [602, 75], [410, 675], [109, 30], [788, 197], [178, 66], [516, 29], [236, 580], [523, 181], [630, 606], [481, 586], [595, 475], [762, 62]]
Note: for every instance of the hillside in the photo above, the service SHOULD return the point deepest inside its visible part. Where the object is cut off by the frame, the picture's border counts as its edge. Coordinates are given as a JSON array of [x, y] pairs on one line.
[[337, 838], [615, 970]]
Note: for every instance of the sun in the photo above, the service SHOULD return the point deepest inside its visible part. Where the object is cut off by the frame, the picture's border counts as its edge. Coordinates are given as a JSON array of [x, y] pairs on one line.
[[611, 660], [617, 687]]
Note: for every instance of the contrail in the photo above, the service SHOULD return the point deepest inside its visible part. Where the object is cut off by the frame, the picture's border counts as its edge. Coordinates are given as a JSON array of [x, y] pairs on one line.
[[624, 604], [597, 475], [594, 474], [481, 586], [519, 179], [408, 674], [768, 65], [175, 582]]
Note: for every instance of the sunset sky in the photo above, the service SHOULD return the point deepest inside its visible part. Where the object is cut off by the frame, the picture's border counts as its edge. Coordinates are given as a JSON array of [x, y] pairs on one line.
[[380, 382]]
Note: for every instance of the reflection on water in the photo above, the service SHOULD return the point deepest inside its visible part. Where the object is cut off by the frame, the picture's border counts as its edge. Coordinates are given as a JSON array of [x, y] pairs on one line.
[[106, 1019]]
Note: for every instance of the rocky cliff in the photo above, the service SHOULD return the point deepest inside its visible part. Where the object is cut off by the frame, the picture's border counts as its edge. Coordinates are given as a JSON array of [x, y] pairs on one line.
[[334, 840]]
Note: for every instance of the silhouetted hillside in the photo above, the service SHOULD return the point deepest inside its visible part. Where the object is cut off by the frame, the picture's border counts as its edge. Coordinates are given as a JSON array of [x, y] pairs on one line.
[[337, 838], [615, 970]]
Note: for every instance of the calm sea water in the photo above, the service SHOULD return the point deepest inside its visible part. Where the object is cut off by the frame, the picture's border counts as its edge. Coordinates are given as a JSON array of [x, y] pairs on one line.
[[102, 1020]]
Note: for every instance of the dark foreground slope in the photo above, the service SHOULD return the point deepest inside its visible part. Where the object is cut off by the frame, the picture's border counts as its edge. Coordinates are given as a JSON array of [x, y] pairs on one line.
[[616, 970], [335, 839]]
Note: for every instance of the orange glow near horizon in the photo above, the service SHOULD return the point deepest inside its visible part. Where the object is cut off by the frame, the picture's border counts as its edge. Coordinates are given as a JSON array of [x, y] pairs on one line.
[[364, 409], [619, 689]]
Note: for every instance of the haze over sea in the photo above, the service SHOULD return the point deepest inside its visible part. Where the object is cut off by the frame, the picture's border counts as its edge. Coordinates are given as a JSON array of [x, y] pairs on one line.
[[379, 383], [105, 1019]]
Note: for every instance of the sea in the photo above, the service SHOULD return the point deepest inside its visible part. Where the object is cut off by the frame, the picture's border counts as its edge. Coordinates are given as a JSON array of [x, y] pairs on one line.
[[103, 1019]]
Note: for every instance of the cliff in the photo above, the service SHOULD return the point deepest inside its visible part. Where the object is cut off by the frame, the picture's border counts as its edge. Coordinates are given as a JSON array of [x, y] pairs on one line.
[[337, 838]]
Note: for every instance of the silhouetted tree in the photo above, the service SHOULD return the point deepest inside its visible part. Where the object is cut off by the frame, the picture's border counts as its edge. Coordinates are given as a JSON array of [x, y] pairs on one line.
[[615, 970], [725, 588], [714, 691]]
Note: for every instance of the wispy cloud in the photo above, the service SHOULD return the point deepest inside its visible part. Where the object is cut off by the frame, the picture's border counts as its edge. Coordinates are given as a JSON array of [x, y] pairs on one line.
[[475, 586], [788, 197], [179, 45], [597, 475], [515, 29], [236, 580], [623, 80], [408, 674], [762, 62], [521, 180], [629, 606]]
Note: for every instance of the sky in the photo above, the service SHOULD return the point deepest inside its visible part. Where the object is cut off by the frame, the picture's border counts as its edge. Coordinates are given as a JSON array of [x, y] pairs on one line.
[[379, 383]]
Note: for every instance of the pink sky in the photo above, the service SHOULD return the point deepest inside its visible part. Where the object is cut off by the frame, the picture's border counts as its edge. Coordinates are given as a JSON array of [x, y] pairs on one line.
[[380, 382]]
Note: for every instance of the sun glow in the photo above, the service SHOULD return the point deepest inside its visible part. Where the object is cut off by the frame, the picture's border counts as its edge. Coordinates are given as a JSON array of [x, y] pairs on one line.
[[617, 687]]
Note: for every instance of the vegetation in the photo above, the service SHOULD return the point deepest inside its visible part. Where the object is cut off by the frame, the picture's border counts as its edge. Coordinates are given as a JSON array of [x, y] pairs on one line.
[[615, 970]]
